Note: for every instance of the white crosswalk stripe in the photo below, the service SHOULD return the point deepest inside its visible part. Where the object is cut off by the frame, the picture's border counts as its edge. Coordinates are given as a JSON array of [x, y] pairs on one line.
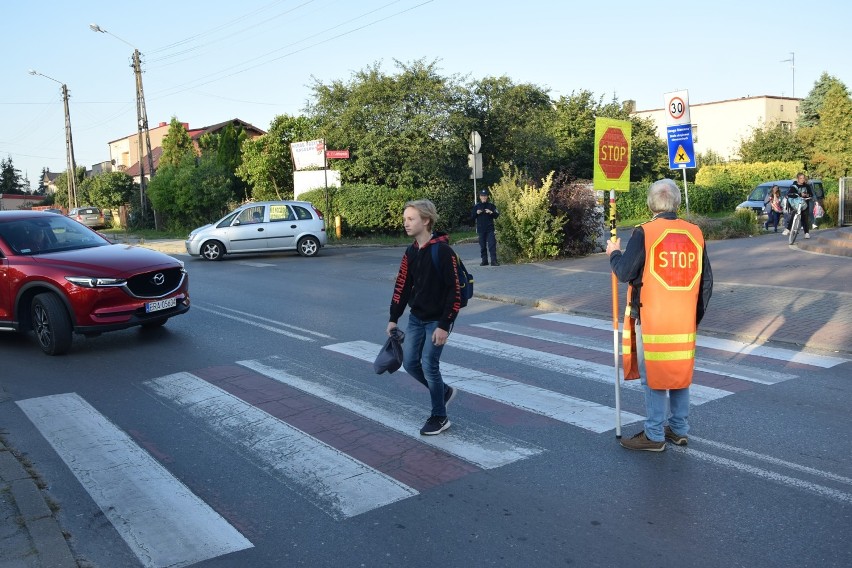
[[335, 482], [698, 394], [725, 369], [578, 412], [470, 442], [731, 346], [159, 518]]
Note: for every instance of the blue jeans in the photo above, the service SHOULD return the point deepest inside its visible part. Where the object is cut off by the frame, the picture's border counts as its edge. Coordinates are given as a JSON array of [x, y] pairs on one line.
[[421, 360], [655, 403]]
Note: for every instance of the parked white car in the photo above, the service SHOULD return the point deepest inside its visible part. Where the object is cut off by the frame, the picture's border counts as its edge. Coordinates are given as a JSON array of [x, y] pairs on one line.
[[263, 226]]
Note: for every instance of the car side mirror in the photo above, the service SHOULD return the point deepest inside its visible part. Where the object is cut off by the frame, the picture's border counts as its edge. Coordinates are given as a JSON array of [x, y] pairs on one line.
[[236, 222]]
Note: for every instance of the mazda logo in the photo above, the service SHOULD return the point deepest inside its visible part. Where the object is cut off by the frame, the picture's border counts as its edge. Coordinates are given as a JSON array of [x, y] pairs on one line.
[[159, 279]]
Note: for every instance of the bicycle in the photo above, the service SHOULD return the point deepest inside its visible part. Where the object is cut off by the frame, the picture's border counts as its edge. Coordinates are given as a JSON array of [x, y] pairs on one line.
[[798, 203]]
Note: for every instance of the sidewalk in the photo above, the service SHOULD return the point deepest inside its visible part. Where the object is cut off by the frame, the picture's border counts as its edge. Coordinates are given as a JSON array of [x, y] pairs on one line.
[[764, 291]]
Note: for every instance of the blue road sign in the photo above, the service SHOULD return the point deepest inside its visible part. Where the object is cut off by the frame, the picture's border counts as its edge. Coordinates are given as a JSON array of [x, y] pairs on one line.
[[681, 151]]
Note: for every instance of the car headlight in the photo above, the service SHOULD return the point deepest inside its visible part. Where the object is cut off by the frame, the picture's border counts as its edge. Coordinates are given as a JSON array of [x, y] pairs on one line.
[[96, 282]]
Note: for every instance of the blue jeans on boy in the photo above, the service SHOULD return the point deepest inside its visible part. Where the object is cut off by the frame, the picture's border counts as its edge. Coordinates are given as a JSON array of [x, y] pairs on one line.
[[655, 402], [421, 360]]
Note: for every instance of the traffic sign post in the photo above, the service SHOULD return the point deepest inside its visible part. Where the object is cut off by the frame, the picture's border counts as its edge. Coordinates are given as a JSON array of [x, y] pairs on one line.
[[679, 136], [474, 159], [612, 172]]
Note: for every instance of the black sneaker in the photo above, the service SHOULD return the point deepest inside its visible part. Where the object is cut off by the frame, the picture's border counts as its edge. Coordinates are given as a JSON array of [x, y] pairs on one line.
[[483, 263], [435, 425], [495, 263], [449, 395]]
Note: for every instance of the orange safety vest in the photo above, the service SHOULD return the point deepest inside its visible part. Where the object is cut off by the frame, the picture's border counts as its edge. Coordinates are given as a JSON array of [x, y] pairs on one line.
[[671, 281]]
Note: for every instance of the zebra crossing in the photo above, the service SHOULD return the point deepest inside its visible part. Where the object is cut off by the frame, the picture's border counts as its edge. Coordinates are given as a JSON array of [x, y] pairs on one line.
[[346, 444]]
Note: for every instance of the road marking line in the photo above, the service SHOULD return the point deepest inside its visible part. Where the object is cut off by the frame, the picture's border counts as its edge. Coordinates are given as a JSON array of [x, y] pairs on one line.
[[334, 481], [701, 364], [737, 347], [766, 474], [698, 394], [774, 461], [159, 518], [260, 325], [276, 322], [575, 411], [471, 443], [254, 264]]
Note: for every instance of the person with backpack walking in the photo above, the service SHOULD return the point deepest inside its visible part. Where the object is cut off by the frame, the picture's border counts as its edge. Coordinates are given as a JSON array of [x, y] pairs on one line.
[[430, 288], [484, 214]]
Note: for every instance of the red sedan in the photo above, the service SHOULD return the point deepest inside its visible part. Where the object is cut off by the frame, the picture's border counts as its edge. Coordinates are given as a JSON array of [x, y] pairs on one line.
[[58, 277]]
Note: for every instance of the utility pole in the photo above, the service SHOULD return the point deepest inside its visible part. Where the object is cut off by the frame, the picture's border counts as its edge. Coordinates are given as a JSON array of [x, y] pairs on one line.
[[141, 123], [792, 62], [71, 164]]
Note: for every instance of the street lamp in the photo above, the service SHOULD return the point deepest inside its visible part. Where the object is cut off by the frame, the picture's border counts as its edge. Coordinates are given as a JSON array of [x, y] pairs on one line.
[[141, 118], [71, 165]]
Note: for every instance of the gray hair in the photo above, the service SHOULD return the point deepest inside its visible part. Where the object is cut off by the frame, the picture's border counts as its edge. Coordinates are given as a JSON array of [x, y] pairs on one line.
[[427, 210], [664, 196]]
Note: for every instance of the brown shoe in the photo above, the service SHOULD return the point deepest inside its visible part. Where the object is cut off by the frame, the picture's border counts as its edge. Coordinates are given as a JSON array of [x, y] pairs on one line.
[[675, 439], [641, 442]]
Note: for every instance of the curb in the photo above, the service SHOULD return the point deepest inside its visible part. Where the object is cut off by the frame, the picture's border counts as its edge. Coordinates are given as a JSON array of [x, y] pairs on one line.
[[48, 540]]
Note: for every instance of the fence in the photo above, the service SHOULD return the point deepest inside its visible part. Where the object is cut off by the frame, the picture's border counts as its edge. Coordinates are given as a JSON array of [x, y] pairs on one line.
[[845, 207]]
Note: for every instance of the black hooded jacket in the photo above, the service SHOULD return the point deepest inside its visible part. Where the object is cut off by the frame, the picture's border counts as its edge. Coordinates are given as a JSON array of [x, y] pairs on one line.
[[431, 293]]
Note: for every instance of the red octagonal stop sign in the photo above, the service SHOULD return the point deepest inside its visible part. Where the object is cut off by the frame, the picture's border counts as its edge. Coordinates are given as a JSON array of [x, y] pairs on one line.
[[676, 260], [613, 153]]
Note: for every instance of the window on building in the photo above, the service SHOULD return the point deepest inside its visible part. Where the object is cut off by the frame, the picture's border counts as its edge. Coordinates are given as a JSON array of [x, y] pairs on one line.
[[695, 134], [786, 125]]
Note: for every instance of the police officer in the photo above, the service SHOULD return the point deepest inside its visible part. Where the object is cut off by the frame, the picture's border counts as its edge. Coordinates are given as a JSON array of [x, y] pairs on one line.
[[484, 214]]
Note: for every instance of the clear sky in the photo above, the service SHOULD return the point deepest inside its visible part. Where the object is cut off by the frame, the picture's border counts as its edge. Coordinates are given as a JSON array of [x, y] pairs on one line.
[[209, 61]]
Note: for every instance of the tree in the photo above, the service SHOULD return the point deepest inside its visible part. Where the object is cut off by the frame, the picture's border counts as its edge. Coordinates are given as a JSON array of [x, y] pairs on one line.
[[266, 165], [832, 137], [176, 144], [649, 155], [10, 177], [225, 146], [773, 143], [514, 122], [810, 107], [574, 129], [191, 193], [107, 190], [41, 189], [61, 182], [401, 129]]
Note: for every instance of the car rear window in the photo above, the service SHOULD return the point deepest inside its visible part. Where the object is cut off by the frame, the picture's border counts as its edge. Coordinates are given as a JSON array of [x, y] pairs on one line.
[[302, 213], [89, 211]]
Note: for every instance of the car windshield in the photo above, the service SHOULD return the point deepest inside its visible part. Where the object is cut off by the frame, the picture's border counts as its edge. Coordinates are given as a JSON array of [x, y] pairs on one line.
[[758, 193], [44, 235]]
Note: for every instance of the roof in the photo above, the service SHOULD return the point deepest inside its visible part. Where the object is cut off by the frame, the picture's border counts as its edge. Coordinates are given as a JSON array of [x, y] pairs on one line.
[[133, 169], [724, 101], [214, 128]]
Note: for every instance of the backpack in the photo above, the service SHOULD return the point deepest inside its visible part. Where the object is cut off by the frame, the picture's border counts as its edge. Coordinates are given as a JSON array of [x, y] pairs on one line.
[[465, 277]]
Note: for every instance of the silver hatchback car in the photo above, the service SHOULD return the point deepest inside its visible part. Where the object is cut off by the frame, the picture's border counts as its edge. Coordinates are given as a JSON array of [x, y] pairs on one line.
[[263, 226]]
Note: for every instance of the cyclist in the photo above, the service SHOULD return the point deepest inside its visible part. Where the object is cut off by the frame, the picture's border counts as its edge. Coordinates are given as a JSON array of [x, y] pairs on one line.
[[800, 189]]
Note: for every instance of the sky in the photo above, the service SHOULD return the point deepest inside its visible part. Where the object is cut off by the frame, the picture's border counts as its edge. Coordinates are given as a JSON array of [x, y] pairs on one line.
[[208, 61]]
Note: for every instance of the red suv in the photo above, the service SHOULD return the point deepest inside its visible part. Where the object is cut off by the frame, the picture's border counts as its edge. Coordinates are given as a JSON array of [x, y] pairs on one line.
[[58, 277]]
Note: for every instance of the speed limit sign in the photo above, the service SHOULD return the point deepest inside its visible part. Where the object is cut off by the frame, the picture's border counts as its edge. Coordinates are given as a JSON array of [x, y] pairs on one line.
[[677, 108]]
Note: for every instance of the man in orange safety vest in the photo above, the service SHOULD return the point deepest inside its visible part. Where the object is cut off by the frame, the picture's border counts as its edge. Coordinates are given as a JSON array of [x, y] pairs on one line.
[[670, 284]]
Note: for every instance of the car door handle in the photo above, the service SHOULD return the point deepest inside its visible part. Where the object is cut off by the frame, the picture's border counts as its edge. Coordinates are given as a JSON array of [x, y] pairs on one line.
[[260, 229], [292, 226]]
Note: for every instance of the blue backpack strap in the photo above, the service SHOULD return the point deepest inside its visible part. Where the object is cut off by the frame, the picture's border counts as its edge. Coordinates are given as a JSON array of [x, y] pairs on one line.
[[434, 249]]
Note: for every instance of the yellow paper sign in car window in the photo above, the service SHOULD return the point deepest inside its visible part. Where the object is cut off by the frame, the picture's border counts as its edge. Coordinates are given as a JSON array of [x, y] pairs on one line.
[[279, 213]]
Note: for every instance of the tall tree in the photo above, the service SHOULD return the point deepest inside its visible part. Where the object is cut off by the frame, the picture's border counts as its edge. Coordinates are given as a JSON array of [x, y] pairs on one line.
[[10, 177], [399, 128], [265, 161], [176, 144], [832, 137], [770, 144], [810, 107]]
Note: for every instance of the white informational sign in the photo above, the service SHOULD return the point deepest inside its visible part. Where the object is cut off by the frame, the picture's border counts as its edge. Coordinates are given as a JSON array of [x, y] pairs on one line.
[[314, 179], [677, 108], [308, 154]]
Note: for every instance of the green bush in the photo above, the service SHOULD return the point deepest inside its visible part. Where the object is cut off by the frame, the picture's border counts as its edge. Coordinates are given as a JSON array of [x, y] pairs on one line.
[[743, 177], [743, 223], [526, 229], [703, 200], [367, 209]]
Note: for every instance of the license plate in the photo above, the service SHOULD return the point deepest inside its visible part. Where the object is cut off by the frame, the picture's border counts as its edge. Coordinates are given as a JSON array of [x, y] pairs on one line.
[[160, 305]]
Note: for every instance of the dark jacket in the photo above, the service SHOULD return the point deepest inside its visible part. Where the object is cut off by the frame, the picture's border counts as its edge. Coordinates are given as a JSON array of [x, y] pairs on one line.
[[484, 221], [431, 293], [629, 266]]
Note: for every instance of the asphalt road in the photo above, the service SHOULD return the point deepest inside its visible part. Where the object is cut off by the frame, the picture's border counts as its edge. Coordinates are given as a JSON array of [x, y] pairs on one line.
[[253, 432]]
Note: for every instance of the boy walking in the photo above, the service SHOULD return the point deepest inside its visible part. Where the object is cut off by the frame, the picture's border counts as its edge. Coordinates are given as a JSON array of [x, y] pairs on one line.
[[431, 290]]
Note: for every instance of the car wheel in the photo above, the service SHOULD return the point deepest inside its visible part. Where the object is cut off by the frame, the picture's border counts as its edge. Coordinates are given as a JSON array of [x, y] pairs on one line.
[[308, 246], [212, 250], [51, 324]]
